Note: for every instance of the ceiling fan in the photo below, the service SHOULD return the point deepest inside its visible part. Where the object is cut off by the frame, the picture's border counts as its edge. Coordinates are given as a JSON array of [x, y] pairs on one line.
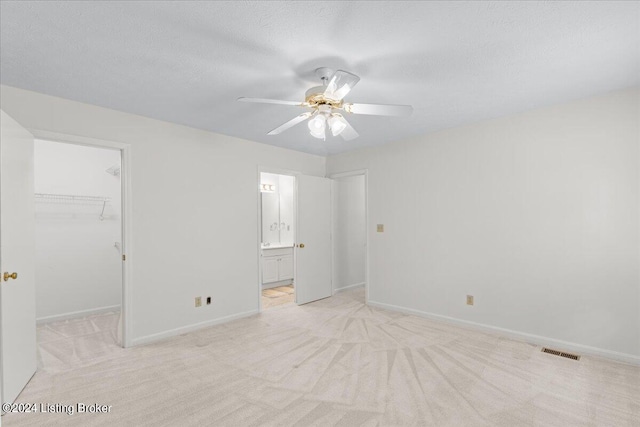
[[327, 104]]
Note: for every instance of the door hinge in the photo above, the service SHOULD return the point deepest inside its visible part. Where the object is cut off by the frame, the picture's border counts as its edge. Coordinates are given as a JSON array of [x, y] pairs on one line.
[[124, 257]]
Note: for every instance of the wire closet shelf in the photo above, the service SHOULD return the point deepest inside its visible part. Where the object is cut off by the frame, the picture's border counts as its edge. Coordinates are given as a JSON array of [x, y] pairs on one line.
[[74, 199], [71, 198]]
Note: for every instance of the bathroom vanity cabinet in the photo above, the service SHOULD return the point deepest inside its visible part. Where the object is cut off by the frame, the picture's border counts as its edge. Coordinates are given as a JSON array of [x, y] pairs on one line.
[[277, 264]]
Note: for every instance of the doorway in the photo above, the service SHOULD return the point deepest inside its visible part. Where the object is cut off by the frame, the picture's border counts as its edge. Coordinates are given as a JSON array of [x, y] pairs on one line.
[[79, 253], [277, 228], [349, 231], [294, 236], [18, 342]]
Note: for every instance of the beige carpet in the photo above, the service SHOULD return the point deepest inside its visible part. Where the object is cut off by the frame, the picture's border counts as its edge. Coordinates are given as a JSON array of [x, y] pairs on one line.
[[68, 344], [339, 362], [274, 297]]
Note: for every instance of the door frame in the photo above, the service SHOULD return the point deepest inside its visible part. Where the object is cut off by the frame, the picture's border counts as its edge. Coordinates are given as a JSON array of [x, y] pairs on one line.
[[265, 169], [126, 214], [365, 173]]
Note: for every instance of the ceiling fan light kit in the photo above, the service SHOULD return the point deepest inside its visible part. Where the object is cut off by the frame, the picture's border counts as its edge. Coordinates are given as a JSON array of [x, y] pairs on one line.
[[326, 101]]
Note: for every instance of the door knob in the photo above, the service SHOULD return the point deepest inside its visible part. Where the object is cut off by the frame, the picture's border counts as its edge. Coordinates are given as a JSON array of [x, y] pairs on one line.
[[301, 245], [6, 276]]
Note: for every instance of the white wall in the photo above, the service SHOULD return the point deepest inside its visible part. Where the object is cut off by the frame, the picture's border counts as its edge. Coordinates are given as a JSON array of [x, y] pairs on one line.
[[536, 215], [349, 233], [195, 213], [78, 269]]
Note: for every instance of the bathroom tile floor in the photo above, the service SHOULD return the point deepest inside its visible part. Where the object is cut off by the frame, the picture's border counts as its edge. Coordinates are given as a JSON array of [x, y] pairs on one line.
[[277, 296]]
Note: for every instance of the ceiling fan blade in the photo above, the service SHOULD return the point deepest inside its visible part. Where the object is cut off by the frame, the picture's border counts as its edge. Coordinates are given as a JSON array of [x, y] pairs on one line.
[[340, 85], [379, 109], [272, 101], [348, 133], [301, 118]]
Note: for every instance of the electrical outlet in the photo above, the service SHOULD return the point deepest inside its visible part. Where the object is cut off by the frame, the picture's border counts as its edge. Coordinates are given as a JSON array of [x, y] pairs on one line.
[[380, 228], [208, 300], [469, 299], [198, 301]]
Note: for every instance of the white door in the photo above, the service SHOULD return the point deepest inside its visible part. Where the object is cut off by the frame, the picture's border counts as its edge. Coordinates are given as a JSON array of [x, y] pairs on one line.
[[17, 247], [313, 239]]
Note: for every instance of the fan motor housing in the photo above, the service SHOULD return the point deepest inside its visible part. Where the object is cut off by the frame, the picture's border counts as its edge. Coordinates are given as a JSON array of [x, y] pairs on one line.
[[315, 97]]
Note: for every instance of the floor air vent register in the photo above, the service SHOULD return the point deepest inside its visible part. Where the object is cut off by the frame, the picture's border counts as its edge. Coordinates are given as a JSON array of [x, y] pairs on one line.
[[560, 353]]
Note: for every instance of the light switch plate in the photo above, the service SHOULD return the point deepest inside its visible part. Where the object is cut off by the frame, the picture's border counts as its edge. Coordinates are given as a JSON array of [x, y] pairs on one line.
[[469, 299], [380, 228], [198, 301]]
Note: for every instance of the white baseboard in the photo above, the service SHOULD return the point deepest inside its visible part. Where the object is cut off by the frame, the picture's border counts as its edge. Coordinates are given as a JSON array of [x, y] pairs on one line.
[[189, 328], [347, 288], [75, 314], [520, 336]]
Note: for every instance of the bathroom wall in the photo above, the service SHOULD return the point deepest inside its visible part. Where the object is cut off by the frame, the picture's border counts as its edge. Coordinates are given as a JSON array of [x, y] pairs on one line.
[[78, 267]]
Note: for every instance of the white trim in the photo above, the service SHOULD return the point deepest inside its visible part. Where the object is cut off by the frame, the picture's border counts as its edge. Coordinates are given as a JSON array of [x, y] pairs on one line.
[[78, 140], [357, 172], [520, 336], [75, 314], [348, 288], [127, 213], [277, 171], [190, 328], [348, 174], [259, 234], [127, 246]]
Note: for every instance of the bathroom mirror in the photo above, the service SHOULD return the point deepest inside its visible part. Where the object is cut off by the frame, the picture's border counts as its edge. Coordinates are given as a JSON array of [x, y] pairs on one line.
[[277, 210]]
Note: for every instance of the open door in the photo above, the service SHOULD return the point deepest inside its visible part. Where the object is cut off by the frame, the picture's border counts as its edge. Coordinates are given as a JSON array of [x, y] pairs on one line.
[[313, 239], [17, 247]]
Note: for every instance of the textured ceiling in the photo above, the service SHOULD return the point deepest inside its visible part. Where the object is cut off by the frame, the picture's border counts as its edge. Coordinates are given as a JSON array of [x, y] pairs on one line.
[[187, 62]]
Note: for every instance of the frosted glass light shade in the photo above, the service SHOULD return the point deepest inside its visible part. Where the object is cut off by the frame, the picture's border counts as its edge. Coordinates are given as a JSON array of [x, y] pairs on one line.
[[317, 126], [337, 125]]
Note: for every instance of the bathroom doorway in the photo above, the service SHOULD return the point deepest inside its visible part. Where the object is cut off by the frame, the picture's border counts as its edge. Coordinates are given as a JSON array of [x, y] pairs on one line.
[[277, 230]]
